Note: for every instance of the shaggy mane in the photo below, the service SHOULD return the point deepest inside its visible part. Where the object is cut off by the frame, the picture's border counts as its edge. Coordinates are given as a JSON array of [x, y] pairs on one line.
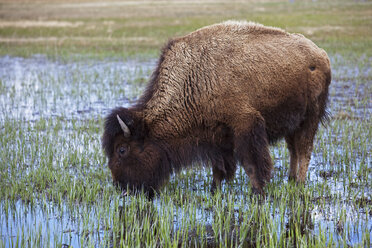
[[151, 85]]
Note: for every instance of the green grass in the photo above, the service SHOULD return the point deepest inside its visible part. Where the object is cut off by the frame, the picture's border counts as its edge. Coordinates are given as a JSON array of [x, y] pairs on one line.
[[129, 30], [56, 189]]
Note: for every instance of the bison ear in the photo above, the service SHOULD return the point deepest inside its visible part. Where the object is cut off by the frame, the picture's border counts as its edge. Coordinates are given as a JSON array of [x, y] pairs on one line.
[[138, 127]]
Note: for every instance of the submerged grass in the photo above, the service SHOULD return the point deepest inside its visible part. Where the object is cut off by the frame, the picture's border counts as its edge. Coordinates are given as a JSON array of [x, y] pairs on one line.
[[55, 187]]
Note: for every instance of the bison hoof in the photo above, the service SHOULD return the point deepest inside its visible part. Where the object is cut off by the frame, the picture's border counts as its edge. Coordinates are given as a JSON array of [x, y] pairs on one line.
[[257, 192], [300, 182], [213, 188], [292, 179]]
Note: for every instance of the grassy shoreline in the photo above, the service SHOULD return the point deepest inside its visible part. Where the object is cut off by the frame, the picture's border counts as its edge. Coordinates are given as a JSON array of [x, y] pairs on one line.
[[110, 30]]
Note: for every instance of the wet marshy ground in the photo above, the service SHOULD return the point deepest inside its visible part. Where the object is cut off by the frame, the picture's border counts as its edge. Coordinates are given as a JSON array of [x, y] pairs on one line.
[[56, 189]]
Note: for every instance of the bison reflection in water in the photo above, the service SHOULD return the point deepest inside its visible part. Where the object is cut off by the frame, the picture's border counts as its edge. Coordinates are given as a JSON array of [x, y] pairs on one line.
[[222, 94]]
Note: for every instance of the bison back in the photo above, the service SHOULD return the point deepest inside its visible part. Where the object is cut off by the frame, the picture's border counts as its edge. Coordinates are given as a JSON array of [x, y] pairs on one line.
[[216, 72]]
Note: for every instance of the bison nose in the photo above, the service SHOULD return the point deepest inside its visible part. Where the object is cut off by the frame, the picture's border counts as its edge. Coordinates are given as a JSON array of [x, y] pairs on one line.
[[110, 165], [113, 177]]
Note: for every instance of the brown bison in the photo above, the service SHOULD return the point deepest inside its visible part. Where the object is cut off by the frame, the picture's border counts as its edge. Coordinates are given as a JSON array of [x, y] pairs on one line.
[[222, 94]]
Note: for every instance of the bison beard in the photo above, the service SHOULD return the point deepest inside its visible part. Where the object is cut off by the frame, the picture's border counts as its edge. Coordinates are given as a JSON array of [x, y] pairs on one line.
[[222, 94]]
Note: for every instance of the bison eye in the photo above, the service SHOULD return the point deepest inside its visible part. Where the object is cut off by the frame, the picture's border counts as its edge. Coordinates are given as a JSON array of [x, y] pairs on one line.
[[122, 150]]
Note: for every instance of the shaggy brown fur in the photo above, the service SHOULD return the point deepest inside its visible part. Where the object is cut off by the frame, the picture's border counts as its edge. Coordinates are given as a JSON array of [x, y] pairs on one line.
[[222, 94]]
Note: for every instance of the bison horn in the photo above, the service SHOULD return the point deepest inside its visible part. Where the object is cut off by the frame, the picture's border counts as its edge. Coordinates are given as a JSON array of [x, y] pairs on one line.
[[124, 127]]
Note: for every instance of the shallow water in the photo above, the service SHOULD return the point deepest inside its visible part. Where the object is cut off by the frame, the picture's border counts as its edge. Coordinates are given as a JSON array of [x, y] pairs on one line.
[[33, 88], [351, 87], [36, 88]]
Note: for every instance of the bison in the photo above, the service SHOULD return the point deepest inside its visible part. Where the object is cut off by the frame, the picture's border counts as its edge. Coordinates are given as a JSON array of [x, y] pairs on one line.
[[221, 95]]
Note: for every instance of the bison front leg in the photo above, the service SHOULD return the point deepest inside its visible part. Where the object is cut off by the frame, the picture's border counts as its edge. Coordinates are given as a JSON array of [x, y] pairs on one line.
[[218, 176], [252, 149], [223, 168]]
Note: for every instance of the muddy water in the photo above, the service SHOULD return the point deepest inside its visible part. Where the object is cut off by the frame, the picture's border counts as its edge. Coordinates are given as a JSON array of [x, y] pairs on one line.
[[37, 88]]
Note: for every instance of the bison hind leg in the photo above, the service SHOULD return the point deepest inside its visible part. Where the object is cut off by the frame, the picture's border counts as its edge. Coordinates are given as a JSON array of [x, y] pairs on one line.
[[300, 146], [293, 152]]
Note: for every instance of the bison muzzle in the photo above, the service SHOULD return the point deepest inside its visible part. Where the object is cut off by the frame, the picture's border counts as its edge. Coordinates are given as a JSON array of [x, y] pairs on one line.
[[220, 96]]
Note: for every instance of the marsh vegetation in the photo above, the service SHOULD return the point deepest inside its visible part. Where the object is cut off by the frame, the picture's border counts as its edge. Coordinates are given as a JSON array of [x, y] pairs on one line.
[[62, 68]]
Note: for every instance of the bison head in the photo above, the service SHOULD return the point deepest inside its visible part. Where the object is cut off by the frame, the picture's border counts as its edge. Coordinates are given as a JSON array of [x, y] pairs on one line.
[[135, 160]]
